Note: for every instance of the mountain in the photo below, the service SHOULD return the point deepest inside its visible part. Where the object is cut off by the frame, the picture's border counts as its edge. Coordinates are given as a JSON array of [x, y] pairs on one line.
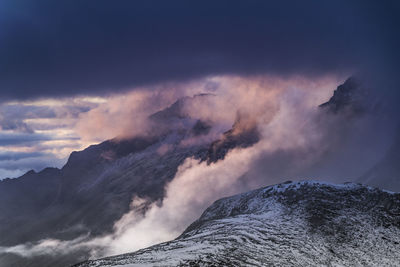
[[351, 95], [386, 173], [96, 186], [353, 98], [291, 224]]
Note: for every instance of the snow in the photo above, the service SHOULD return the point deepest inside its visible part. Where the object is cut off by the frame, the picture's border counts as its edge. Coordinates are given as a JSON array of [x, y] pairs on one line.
[[307, 223]]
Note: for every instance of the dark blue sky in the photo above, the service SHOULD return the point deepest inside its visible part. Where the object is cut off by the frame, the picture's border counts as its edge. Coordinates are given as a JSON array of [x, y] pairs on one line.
[[54, 48]]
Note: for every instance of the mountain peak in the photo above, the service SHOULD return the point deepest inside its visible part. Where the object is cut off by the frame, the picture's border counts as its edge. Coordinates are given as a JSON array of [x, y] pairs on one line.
[[351, 94], [179, 108], [295, 193]]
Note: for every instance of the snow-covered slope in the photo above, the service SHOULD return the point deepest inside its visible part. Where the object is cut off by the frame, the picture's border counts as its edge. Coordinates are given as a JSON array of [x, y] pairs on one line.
[[291, 224]]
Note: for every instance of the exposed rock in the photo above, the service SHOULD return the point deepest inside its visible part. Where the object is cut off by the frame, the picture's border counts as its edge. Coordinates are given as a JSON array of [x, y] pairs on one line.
[[351, 95], [244, 133]]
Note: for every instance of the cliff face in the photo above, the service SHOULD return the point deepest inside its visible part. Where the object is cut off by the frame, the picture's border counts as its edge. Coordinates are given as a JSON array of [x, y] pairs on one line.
[[352, 98], [295, 223], [349, 95]]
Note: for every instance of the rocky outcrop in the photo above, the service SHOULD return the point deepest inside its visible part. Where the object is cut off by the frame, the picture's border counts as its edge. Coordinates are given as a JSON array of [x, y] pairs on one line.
[[350, 95]]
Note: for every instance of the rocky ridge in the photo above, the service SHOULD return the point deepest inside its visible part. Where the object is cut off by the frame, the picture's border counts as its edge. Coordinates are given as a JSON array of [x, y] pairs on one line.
[[291, 224]]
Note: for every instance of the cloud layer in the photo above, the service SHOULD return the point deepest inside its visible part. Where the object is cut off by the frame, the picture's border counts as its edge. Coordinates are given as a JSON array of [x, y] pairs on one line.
[[67, 48], [285, 114], [298, 141]]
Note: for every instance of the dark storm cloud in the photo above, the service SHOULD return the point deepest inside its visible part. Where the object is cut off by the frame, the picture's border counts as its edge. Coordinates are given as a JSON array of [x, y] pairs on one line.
[[5, 156], [27, 111], [15, 125], [8, 139], [12, 116], [36, 111], [53, 48], [11, 139]]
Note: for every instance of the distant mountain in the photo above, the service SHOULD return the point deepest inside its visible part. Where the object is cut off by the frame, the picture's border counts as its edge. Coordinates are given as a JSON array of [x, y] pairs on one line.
[[351, 95], [386, 173], [290, 224], [96, 186]]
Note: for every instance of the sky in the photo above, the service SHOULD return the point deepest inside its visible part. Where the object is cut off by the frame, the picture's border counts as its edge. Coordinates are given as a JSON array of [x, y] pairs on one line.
[[72, 71]]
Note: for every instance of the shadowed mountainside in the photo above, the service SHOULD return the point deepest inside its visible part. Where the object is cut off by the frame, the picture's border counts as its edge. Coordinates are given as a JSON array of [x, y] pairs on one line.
[[96, 186], [386, 173]]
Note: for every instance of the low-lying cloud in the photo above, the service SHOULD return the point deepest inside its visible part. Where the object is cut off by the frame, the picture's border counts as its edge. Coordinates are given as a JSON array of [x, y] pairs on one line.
[[298, 141]]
